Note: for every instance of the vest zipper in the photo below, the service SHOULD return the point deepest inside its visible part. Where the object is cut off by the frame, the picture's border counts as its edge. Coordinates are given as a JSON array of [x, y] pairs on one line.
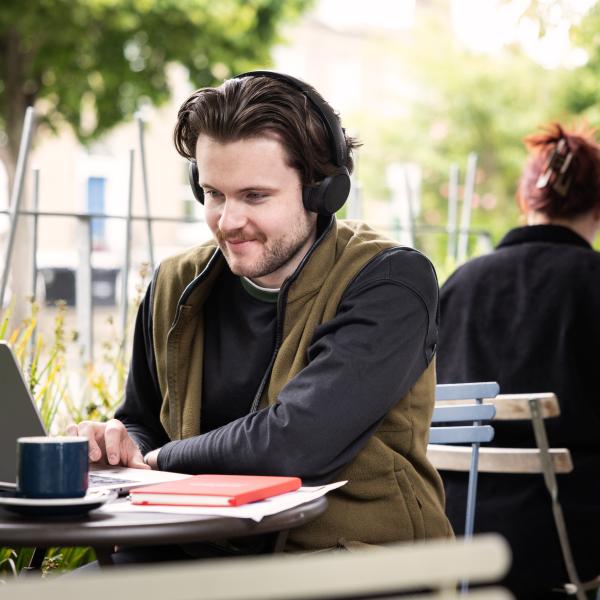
[[281, 304], [192, 284], [176, 426], [188, 290]]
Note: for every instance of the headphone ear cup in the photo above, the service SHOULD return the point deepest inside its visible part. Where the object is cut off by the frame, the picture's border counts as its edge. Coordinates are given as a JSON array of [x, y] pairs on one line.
[[194, 184], [329, 195]]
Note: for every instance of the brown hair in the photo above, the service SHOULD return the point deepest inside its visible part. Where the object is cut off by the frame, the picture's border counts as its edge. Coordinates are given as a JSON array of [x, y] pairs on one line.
[[562, 176], [251, 106]]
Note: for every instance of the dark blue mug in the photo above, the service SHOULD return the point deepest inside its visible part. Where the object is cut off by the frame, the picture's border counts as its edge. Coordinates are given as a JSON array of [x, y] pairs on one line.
[[52, 467]]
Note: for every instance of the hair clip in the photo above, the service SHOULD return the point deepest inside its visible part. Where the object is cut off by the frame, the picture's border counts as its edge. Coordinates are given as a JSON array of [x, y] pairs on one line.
[[558, 165]]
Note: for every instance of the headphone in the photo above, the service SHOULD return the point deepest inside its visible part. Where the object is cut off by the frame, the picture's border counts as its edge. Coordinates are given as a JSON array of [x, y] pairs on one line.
[[329, 195]]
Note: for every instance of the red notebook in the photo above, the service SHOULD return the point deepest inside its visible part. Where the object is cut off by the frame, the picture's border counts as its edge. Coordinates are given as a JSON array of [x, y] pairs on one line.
[[214, 490]]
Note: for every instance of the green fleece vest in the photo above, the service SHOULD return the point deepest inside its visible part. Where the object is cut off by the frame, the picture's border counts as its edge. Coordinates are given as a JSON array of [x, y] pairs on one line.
[[393, 492]]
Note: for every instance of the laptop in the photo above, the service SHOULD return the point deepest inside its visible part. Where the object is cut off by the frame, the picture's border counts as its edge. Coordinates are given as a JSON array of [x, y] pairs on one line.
[[20, 418]]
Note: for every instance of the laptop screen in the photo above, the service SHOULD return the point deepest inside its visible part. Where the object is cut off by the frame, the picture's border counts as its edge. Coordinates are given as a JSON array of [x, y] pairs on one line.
[[19, 418], [18, 414]]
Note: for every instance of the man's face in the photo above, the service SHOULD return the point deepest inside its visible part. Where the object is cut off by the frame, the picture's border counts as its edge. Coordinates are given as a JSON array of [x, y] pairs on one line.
[[253, 204]]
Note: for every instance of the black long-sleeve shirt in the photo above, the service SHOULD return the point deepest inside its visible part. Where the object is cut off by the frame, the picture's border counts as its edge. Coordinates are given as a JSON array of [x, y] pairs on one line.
[[360, 363]]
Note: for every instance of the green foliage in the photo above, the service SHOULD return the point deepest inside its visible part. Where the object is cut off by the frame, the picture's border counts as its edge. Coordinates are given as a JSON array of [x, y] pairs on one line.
[[581, 91], [56, 560], [44, 367], [7, 562], [93, 62], [463, 102], [50, 382], [66, 559], [60, 401]]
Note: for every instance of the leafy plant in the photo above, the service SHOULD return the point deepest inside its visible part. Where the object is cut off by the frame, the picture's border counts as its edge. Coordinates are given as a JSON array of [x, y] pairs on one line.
[[44, 364]]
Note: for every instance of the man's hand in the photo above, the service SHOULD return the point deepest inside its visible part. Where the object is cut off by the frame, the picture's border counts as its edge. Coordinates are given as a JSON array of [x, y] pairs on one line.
[[109, 442], [151, 459]]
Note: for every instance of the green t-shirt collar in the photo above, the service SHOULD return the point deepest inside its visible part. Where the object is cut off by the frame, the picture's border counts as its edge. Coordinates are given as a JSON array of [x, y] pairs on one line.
[[258, 292]]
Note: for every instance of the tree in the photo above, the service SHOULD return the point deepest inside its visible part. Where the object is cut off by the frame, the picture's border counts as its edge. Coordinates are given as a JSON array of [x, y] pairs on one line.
[[581, 91], [90, 62], [460, 102]]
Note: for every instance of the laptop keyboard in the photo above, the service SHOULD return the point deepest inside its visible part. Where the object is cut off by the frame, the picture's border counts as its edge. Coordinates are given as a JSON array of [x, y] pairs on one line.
[[95, 480]]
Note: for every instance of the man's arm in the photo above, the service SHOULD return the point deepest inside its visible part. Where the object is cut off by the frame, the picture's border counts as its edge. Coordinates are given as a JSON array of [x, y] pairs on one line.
[[360, 364]]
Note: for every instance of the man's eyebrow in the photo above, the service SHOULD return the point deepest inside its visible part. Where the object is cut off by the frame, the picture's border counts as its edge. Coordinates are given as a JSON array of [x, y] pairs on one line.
[[249, 188], [263, 188]]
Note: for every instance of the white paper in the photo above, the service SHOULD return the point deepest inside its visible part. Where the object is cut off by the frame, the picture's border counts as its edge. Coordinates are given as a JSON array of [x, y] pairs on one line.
[[255, 510]]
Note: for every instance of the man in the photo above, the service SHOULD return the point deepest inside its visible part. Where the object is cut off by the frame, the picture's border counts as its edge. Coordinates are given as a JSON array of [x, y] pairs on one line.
[[291, 344]]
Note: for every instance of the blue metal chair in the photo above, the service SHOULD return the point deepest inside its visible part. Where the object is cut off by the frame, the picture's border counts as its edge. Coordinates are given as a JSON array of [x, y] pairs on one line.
[[462, 424], [543, 459], [474, 433]]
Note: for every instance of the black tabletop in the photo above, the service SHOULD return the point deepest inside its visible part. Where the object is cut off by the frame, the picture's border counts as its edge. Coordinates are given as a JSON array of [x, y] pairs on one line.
[[105, 529]]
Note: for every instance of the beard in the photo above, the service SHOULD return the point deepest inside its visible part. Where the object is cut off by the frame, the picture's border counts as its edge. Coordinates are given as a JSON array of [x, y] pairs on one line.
[[277, 253]]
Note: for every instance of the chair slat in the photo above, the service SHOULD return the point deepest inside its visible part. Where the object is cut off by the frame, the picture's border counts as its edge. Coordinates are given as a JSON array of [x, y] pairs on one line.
[[466, 391], [468, 434], [463, 412], [497, 460], [432, 564], [512, 407]]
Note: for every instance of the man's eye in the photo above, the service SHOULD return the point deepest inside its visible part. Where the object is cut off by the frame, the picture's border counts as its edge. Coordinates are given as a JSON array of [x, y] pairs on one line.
[[212, 193], [255, 195]]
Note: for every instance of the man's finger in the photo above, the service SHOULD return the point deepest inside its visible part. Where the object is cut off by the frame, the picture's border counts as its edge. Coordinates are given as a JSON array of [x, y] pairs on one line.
[[72, 429], [93, 432], [114, 436], [131, 455], [135, 460]]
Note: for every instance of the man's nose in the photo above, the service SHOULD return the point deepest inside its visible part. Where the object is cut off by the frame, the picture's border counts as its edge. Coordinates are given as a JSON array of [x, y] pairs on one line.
[[233, 215]]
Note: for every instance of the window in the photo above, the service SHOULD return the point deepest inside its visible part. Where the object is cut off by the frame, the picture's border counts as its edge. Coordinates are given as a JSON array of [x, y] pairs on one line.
[[96, 187]]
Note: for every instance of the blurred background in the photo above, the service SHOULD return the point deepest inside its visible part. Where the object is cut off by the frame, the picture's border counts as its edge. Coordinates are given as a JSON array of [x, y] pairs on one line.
[[440, 92]]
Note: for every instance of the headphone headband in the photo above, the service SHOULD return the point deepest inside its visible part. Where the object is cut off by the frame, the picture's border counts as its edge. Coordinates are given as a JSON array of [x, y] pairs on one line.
[[328, 117]]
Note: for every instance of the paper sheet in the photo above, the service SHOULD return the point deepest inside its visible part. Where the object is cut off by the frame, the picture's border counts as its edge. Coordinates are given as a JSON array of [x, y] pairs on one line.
[[255, 510]]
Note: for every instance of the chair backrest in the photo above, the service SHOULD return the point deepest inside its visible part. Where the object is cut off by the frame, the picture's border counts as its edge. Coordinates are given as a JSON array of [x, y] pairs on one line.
[[508, 407], [437, 565], [543, 459], [462, 434], [451, 407]]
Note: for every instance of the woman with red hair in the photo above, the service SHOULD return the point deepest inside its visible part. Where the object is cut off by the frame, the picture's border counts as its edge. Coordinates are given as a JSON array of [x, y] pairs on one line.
[[527, 315]]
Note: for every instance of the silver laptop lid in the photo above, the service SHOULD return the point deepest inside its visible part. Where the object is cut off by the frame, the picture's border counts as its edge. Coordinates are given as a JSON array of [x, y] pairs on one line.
[[19, 417], [19, 414]]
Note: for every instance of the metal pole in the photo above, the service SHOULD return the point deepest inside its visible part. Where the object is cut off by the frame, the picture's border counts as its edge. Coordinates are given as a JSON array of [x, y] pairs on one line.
[[452, 206], [34, 241], [83, 289], [146, 192], [127, 258], [409, 213], [96, 215], [541, 438], [471, 496], [354, 203], [465, 221], [34, 244], [17, 192]]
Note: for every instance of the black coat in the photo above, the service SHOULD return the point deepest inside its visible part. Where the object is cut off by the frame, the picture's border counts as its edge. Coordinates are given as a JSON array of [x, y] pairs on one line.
[[528, 316]]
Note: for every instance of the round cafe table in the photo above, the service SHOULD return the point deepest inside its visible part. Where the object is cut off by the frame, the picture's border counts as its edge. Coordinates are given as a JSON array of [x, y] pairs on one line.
[[103, 530]]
